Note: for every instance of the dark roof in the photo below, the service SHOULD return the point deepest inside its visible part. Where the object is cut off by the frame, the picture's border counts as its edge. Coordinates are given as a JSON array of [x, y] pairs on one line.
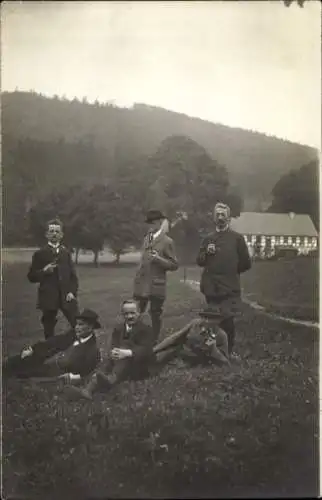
[[274, 224]]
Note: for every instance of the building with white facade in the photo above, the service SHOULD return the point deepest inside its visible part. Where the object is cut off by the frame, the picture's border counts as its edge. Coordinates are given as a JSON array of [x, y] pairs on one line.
[[268, 231]]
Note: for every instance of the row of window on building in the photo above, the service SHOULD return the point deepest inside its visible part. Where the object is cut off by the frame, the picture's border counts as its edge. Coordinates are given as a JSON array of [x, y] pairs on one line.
[[295, 241]]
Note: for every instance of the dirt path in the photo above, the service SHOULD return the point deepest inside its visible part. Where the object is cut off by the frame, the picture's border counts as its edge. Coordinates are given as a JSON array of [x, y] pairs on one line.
[[254, 305]]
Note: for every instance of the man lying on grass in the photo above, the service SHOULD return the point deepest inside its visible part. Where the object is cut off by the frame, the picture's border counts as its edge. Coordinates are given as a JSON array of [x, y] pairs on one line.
[[201, 341], [79, 354], [134, 358]]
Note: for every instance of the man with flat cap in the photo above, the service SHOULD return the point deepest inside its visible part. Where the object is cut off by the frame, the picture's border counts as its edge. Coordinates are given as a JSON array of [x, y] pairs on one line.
[[157, 258], [78, 349]]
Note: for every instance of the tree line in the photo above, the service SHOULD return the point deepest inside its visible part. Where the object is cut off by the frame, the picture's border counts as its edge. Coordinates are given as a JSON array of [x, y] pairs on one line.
[[180, 176], [298, 191], [50, 142]]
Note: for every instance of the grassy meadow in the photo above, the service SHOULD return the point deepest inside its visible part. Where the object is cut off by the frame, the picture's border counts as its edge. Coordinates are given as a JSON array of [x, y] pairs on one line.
[[248, 431]]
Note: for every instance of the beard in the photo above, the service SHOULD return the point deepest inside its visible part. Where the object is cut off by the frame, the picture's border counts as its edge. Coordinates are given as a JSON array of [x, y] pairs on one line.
[[221, 223]]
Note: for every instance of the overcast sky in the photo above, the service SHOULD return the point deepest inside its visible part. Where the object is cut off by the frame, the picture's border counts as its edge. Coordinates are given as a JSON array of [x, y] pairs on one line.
[[254, 65]]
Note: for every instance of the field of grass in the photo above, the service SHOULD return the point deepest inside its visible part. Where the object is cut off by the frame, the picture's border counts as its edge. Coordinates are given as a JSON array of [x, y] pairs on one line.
[[19, 255], [289, 287], [200, 432]]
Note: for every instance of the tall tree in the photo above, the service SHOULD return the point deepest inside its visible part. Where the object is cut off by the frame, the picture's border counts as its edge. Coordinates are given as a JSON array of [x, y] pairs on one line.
[[189, 178], [92, 217], [298, 191], [55, 204], [88, 226], [124, 222]]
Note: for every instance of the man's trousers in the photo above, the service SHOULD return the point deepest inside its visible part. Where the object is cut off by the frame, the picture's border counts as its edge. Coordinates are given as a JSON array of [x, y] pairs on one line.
[[227, 324], [156, 310], [49, 317]]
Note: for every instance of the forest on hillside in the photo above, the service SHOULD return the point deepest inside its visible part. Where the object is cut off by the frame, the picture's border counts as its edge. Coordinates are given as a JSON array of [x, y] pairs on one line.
[[254, 161], [51, 145]]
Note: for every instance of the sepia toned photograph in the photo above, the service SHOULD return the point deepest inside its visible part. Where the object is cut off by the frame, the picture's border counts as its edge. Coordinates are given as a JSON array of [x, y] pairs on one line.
[[160, 249]]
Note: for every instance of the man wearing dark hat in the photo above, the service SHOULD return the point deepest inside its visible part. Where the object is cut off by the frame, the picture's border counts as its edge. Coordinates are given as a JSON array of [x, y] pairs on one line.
[[132, 356], [52, 267], [131, 352], [224, 256], [78, 348], [157, 258], [202, 341]]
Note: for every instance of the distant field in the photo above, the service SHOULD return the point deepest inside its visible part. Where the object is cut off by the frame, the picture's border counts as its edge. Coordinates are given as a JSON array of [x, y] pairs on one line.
[[201, 432], [289, 287], [16, 255]]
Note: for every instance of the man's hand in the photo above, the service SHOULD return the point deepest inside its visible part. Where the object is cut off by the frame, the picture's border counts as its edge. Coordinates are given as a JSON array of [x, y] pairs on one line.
[[69, 378], [153, 255], [70, 296], [117, 353], [211, 248], [27, 351], [50, 268]]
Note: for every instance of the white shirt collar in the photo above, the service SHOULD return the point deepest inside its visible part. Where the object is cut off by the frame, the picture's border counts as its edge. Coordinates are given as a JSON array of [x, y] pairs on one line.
[[219, 230], [82, 341], [128, 327], [54, 245]]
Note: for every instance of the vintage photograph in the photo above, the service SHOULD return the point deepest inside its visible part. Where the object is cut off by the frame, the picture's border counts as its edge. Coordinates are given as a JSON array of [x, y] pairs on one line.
[[160, 249]]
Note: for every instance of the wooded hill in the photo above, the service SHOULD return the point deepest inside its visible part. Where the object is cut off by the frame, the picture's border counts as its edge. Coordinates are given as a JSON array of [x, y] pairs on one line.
[[111, 136]]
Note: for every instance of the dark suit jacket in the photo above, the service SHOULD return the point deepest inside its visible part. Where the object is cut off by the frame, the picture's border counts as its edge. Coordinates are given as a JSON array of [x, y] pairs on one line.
[[140, 340], [79, 359], [150, 279], [220, 276], [54, 287]]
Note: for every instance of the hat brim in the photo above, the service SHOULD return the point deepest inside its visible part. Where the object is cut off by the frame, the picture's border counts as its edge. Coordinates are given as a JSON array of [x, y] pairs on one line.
[[93, 322], [211, 315], [148, 220]]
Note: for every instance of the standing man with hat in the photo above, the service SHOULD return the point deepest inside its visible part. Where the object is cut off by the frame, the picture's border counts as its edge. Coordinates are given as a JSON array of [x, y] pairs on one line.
[[78, 349], [224, 256], [157, 258], [52, 267]]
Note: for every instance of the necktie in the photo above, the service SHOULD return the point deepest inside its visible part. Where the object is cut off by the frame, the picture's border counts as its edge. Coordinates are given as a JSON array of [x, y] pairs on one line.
[[55, 249], [148, 240], [128, 330]]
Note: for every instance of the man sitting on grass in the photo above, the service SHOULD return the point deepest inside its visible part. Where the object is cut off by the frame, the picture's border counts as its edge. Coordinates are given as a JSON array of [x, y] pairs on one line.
[[130, 354], [201, 340], [78, 348]]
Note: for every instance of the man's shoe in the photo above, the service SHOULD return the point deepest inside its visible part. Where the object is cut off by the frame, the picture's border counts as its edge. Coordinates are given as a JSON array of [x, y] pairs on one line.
[[104, 381], [234, 357], [74, 392]]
